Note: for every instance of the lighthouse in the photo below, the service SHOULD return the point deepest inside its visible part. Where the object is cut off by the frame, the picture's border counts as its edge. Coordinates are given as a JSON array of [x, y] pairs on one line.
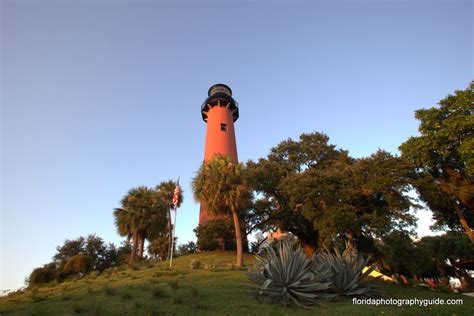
[[219, 111]]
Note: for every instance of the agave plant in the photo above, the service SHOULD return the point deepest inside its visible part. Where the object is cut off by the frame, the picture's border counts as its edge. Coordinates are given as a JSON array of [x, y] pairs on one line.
[[286, 274], [347, 275]]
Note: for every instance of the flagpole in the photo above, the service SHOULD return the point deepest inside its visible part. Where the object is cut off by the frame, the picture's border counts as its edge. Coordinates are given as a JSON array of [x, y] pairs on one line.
[[171, 208], [174, 226], [172, 236]]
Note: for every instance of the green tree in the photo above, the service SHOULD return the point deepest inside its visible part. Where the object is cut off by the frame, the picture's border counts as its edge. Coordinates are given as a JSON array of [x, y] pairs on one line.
[[69, 249], [356, 199], [165, 191], [220, 184], [319, 193], [273, 207], [41, 275], [446, 251], [125, 227], [401, 256], [77, 265], [142, 216], [443, 159], [103, 256]]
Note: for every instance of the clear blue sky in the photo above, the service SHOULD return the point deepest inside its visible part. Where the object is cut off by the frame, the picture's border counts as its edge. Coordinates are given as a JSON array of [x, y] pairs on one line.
[[101, 96]]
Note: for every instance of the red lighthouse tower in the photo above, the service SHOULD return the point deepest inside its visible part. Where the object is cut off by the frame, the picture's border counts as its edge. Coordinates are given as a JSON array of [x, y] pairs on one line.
[[219, 111]]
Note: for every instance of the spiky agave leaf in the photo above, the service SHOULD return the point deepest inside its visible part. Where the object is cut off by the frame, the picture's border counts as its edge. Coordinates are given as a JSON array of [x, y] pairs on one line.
[[347, 275], [286, 274]]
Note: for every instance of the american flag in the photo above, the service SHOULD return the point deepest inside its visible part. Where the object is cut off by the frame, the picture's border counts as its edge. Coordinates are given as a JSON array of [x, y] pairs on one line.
[[176, 194]]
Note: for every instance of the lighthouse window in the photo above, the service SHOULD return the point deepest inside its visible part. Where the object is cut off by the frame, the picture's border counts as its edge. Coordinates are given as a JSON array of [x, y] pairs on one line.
[[223, 127]]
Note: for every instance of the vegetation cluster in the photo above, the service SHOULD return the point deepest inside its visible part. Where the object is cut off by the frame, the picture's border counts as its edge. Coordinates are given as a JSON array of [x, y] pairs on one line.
[[363, 208]]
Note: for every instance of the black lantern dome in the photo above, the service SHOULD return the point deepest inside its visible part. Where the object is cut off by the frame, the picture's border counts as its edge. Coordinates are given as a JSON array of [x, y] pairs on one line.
[[220, 95]]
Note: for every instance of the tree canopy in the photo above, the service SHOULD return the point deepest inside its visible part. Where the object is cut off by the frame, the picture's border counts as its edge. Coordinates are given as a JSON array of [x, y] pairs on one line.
[[221, 185], [143, 215], [320, 193], [165, 192], [443, 159]]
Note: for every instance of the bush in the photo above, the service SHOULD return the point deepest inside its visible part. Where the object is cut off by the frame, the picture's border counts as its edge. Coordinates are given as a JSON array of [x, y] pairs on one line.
[[195, 264], [216, 234], [287, 275], [103, 256], [210, 266], [188, 248], [42, 275], [78, 265]]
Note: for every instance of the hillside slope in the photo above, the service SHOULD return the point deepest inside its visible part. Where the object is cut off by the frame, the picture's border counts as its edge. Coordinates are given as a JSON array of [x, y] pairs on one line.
[[158, 290]]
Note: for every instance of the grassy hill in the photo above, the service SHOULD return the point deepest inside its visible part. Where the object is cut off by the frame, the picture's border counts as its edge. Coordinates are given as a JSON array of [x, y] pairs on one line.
[[158, 290]]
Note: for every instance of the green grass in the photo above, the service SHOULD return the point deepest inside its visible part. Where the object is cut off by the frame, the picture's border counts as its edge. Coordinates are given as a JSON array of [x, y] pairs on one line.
[[181, 290]]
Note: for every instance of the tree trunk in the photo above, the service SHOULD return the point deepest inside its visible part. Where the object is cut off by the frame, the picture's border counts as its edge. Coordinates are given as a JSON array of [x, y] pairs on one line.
[[140, 249], [134, 247], [465, 225], [463, 276], [351, 245], [466, 281], [308, 248], [441, 269], [238, 239]]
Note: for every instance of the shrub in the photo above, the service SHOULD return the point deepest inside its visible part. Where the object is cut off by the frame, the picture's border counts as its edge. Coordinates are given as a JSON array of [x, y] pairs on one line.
[[195, 264], [188, 248], [210, 266], [78, 265], [103, 256], [216, 234], [42, 275], [285, 274], [347, 276]]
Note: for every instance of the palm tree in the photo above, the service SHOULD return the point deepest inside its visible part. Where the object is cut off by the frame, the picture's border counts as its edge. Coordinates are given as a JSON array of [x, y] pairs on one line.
[[221, 186], [141, 216], [125, 227], [165, 192]]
